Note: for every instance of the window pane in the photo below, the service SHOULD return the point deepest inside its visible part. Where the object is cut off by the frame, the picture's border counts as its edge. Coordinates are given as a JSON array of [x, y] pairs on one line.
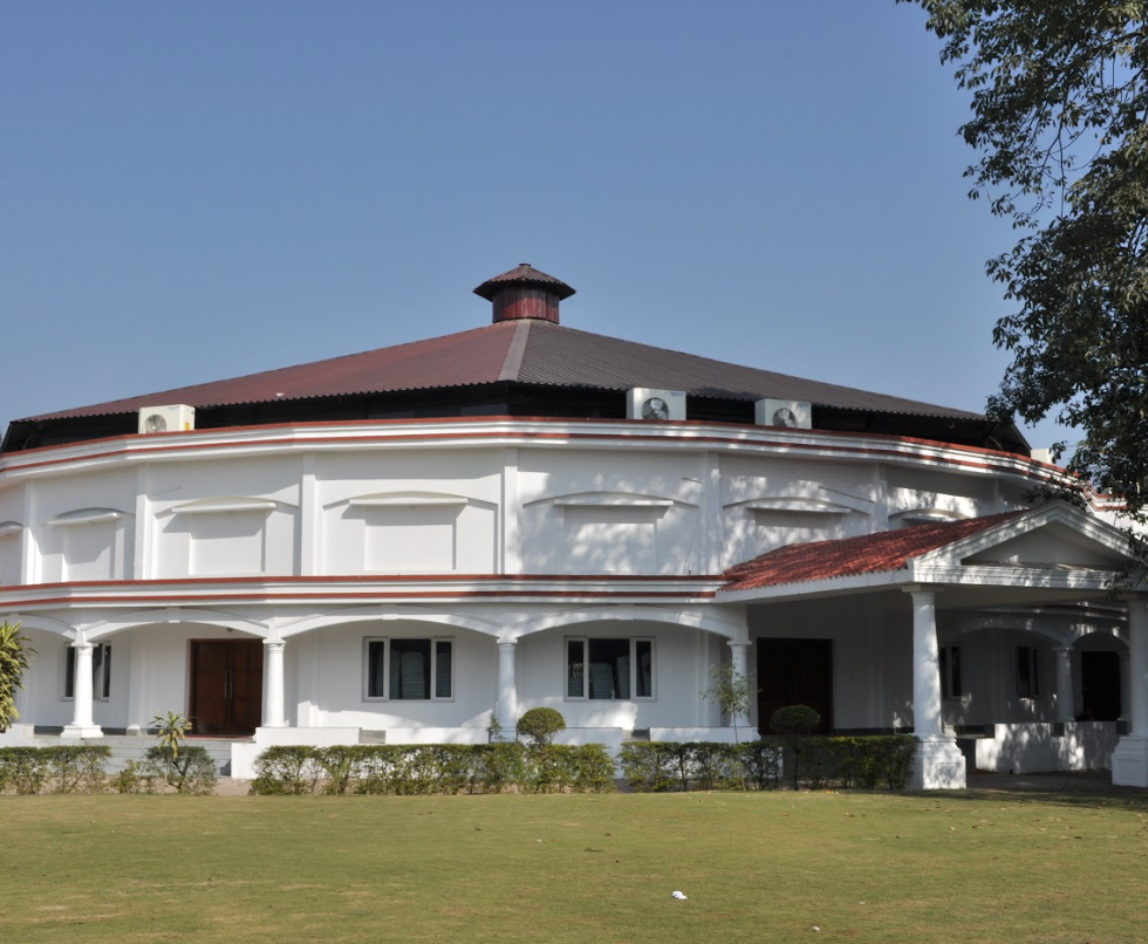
[[442, 668], [609, 668], [1023, 672], [410, 669], [69, 672], [101, 671], [644, 680], [376, 669], [575, 669]]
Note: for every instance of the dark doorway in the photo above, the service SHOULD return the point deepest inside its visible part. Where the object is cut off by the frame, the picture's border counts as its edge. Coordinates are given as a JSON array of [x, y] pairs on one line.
[[1100, 686], [795, 672], [226, 686]]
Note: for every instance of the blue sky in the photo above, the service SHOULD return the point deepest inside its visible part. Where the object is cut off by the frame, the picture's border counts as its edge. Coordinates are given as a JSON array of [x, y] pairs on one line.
[[196, 191]]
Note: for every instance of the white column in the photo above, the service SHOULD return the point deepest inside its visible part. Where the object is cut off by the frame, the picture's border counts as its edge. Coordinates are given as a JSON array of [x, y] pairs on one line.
[[1138, 666], [1065, 699], [507, 686], [274, 715], [740, 662], [83, 724], [926, 667], [1130, 759], [939, 764]]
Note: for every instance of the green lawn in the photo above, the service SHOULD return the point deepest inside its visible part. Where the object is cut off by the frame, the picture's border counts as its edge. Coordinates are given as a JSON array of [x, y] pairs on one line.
[[974, 867]]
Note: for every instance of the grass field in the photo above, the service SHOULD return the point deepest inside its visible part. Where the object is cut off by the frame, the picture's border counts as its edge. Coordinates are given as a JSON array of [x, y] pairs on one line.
[[765, 867]]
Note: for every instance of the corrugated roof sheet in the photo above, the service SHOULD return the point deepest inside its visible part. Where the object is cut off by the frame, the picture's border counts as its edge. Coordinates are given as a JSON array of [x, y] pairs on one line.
[[551, 354], [883, 552]]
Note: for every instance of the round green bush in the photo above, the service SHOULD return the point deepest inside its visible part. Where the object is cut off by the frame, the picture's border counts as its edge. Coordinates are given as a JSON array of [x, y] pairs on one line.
[[794, 721], [539, 725]]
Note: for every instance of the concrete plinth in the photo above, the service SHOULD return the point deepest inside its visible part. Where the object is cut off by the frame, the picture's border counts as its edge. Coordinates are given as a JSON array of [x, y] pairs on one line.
[[1130, 762], [939, 765]]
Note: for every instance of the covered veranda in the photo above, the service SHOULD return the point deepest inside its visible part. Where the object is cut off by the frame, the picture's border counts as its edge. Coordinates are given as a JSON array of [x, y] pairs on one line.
[[950, 572]]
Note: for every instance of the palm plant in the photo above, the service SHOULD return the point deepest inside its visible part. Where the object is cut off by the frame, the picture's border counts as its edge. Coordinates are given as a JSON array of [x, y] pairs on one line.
[[171, 731]]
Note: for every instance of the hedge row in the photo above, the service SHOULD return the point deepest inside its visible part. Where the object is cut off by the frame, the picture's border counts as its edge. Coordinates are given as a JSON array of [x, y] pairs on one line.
[[659, 766], [407, 769], [61, 769], [75, 768], [868, 762]]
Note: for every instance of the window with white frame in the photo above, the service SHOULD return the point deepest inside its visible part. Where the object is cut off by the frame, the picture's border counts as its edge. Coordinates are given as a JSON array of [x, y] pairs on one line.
[[609, 669], [1028, 675], [408, 669], [950, 661], [101, 671]]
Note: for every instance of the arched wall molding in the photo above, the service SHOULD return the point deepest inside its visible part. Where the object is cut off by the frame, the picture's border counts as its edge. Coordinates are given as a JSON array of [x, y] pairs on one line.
[[628, 613], [45, 624], [366, 614], [1063, 634], [177, 615]]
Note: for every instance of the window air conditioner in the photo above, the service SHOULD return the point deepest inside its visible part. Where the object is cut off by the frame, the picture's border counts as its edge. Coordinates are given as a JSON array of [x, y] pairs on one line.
[[171, 418], [649, 404], [793, 413]]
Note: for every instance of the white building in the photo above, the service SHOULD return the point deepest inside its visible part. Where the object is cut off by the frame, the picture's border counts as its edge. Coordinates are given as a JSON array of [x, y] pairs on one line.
[[395, 545]]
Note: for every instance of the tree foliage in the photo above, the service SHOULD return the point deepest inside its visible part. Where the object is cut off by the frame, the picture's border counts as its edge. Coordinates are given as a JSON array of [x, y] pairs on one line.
[[1060, 123], [15, 657]]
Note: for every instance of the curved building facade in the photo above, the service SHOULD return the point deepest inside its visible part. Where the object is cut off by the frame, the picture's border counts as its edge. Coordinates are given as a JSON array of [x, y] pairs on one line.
[[398, 545]]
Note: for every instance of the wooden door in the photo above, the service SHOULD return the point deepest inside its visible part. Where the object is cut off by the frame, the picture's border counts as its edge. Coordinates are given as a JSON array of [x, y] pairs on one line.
[[795, 672], [226, 686]]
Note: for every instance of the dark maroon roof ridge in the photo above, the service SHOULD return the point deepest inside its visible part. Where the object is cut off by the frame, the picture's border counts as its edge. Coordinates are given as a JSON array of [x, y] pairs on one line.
[[534, 352], [523, 274], [880, 552]]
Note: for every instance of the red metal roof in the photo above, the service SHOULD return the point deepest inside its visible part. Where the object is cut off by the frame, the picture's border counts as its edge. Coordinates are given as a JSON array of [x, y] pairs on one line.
[[529, 351], [847, 557]]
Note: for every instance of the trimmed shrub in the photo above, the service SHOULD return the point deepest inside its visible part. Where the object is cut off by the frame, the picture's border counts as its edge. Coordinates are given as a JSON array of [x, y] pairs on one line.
[[190, 771], [285, 769], [404, 770], [659, 766], [64, 768], [867, 762], [794, 723], [539, 725]]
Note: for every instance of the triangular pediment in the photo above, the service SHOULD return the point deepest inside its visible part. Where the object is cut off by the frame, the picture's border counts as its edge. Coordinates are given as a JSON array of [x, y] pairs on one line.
[[1055, 537]]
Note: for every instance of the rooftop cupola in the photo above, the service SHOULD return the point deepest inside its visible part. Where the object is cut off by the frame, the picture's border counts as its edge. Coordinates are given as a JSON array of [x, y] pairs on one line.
[[524, 292]]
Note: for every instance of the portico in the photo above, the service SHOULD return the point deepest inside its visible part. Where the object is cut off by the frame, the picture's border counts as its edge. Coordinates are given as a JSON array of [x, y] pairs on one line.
[[956, 574]]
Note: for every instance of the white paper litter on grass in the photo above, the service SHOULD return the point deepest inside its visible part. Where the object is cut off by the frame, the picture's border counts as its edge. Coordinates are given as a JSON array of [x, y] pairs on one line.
[[680, 896]]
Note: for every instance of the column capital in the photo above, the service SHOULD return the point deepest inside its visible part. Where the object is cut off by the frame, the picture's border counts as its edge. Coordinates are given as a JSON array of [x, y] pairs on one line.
[[275, 645], [930, 588]]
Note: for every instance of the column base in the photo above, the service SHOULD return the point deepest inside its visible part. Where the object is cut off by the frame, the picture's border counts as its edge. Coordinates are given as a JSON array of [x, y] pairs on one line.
[[82, 731], [939, 765], [1130, 762]]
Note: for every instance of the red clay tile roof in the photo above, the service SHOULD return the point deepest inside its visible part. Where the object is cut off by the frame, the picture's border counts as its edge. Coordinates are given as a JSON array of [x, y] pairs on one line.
[[544, 353], [524, 274], [847, 557]]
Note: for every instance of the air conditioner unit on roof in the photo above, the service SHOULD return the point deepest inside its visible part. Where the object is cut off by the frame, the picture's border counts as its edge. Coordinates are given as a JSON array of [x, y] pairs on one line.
[[170, 418], [646, 403], [793, 413]]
